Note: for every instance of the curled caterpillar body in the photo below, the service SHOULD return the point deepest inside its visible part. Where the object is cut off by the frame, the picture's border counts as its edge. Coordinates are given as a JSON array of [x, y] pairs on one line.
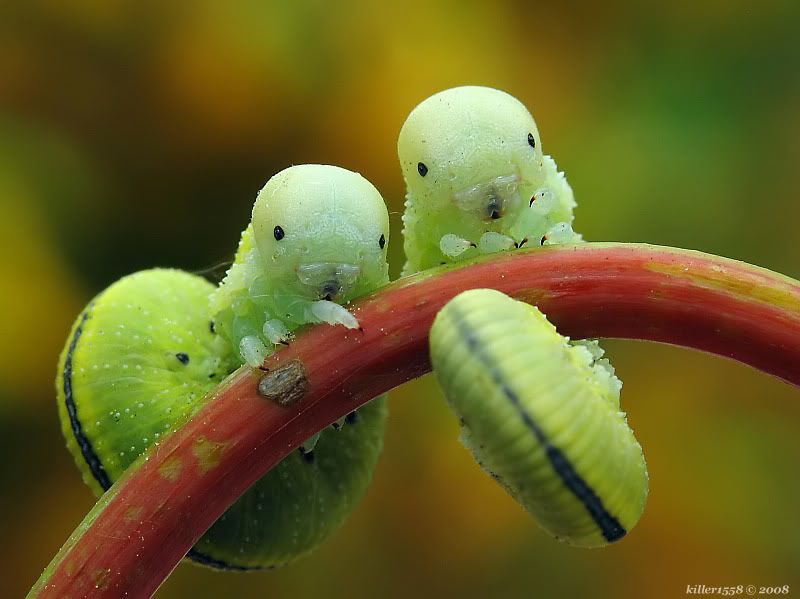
[[541, 416], [137, 364], [484, 173], [144, 353], [138, 361]]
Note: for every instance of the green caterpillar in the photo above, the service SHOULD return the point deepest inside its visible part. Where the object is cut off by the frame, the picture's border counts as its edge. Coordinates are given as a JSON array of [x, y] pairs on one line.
[[318, 234], [143, 354], [541, 416], [477, 181]]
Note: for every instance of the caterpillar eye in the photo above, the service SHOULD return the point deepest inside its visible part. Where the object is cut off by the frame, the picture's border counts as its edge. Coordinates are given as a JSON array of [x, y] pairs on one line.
[[531, 140], [422, 169], [167, 317]]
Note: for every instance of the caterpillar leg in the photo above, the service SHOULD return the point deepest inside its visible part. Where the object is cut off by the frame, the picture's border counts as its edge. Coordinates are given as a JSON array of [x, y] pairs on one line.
[[331, 313], [276, 332], [491, 242], [253, 350], [561, 233], [453, 246], [309, 444], [140, 359]]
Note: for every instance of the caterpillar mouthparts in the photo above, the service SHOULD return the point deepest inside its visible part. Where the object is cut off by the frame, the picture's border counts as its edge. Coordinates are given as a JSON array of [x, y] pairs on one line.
[[148, 349], [329, 280]]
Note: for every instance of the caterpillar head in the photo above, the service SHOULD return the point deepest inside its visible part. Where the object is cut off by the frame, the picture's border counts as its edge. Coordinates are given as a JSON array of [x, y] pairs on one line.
[[321, 232], [471, 156]]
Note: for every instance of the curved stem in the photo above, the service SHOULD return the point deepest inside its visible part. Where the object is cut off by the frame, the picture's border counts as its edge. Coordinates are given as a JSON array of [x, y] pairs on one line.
[[144, 525]]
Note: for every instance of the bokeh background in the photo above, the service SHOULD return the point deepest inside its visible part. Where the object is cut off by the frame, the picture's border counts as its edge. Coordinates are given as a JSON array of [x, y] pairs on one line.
[[137, 133]]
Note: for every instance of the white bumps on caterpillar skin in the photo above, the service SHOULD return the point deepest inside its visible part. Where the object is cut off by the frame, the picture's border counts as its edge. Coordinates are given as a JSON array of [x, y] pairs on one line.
[[139, 361], [477, 180], [317, 240], [147, 350], [473, 165], [541, 416], [531, 404]]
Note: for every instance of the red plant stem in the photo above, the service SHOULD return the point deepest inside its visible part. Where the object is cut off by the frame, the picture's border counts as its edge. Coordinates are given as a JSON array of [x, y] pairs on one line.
[[144, 525]]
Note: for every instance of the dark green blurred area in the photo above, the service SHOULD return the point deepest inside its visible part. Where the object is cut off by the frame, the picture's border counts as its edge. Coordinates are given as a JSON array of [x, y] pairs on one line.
[[136, 134]]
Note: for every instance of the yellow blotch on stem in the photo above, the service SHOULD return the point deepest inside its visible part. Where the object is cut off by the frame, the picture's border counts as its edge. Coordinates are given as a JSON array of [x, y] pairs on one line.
[[171, 469], [134, 513], [208, 453]]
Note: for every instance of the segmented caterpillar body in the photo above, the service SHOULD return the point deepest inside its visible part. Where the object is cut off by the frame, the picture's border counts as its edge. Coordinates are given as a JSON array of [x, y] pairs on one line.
[[541, 416], [144, 353]]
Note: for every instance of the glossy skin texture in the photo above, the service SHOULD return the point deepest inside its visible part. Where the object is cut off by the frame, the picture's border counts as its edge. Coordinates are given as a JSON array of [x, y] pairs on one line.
[[144, 353], [138, 361], [477, 180], [317, 240], [541, 416], [478, 183]]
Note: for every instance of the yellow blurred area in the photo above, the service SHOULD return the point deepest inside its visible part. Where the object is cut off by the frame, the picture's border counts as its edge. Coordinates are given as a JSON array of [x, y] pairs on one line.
[[136, 134]]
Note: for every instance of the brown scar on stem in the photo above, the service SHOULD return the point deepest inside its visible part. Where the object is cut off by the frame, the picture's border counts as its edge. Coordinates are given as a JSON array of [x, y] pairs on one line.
[[101, 578], [285, 385]]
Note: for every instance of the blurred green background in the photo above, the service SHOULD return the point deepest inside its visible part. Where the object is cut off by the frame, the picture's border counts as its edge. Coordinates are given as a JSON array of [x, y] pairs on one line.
[[137, 133]]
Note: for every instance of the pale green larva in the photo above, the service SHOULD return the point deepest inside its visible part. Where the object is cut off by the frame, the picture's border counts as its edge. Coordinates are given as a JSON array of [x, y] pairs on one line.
[[146, 350], [541, 416], [477, 181], [317, 239]]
